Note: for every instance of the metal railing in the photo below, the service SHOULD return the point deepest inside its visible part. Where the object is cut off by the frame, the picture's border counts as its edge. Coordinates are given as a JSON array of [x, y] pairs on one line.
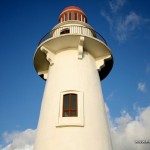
[[72, 29]]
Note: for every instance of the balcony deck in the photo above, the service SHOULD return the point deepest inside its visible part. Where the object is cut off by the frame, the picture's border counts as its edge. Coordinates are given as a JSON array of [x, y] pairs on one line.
[[72, 29]]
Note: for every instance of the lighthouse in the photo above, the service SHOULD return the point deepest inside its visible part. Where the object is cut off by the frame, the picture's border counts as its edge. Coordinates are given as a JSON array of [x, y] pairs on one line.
[[73, 59]]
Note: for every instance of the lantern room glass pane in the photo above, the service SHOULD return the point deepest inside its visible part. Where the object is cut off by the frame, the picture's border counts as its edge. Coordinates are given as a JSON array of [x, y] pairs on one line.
[[65, 17], [75, 16], [80, 17], [70, 15]]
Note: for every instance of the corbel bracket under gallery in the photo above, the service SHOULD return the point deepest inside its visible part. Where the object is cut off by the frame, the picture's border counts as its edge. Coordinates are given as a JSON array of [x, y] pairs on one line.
[[100, 62], [44, 74], [49, 55], [80, 47]]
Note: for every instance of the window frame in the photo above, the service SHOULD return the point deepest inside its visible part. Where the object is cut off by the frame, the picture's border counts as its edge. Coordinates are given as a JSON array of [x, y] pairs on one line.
[[70, 109], [78, 120]]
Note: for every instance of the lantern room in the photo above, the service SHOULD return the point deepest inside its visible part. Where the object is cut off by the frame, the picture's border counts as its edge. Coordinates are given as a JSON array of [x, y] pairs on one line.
[[72, 13]]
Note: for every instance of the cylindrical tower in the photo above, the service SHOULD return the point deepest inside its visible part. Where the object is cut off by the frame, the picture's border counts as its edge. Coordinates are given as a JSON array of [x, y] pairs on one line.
[[73, 59]]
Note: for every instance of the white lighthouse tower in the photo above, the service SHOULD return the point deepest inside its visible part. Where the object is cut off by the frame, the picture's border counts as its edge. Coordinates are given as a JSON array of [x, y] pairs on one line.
[[73, 59]]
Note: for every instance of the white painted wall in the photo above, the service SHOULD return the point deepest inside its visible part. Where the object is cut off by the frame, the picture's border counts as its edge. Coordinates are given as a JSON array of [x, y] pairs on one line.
[[70, 73]]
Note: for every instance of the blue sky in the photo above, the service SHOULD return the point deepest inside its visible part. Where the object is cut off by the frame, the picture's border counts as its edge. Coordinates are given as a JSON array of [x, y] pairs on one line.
[[126, 27]]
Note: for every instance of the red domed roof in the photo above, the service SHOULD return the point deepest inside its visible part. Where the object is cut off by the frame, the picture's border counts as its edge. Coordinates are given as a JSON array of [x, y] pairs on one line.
[[72, 8]]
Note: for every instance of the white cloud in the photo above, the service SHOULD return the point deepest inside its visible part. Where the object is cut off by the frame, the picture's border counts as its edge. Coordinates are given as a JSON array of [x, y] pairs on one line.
[[141, 87], [125, 130], [19, 140], [116, 5], [0, 147], [124, 119]]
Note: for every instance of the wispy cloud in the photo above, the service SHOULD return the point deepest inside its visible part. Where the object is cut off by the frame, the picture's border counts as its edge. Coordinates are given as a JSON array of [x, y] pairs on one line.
[[116, 5], [107, 17], [125, 26], [122, 25], [110, 96], [148, 68], [141, 87]]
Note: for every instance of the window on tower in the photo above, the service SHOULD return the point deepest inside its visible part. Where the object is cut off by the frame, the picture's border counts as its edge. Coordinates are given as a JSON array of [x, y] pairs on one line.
[[70, 108], [65, 31]]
